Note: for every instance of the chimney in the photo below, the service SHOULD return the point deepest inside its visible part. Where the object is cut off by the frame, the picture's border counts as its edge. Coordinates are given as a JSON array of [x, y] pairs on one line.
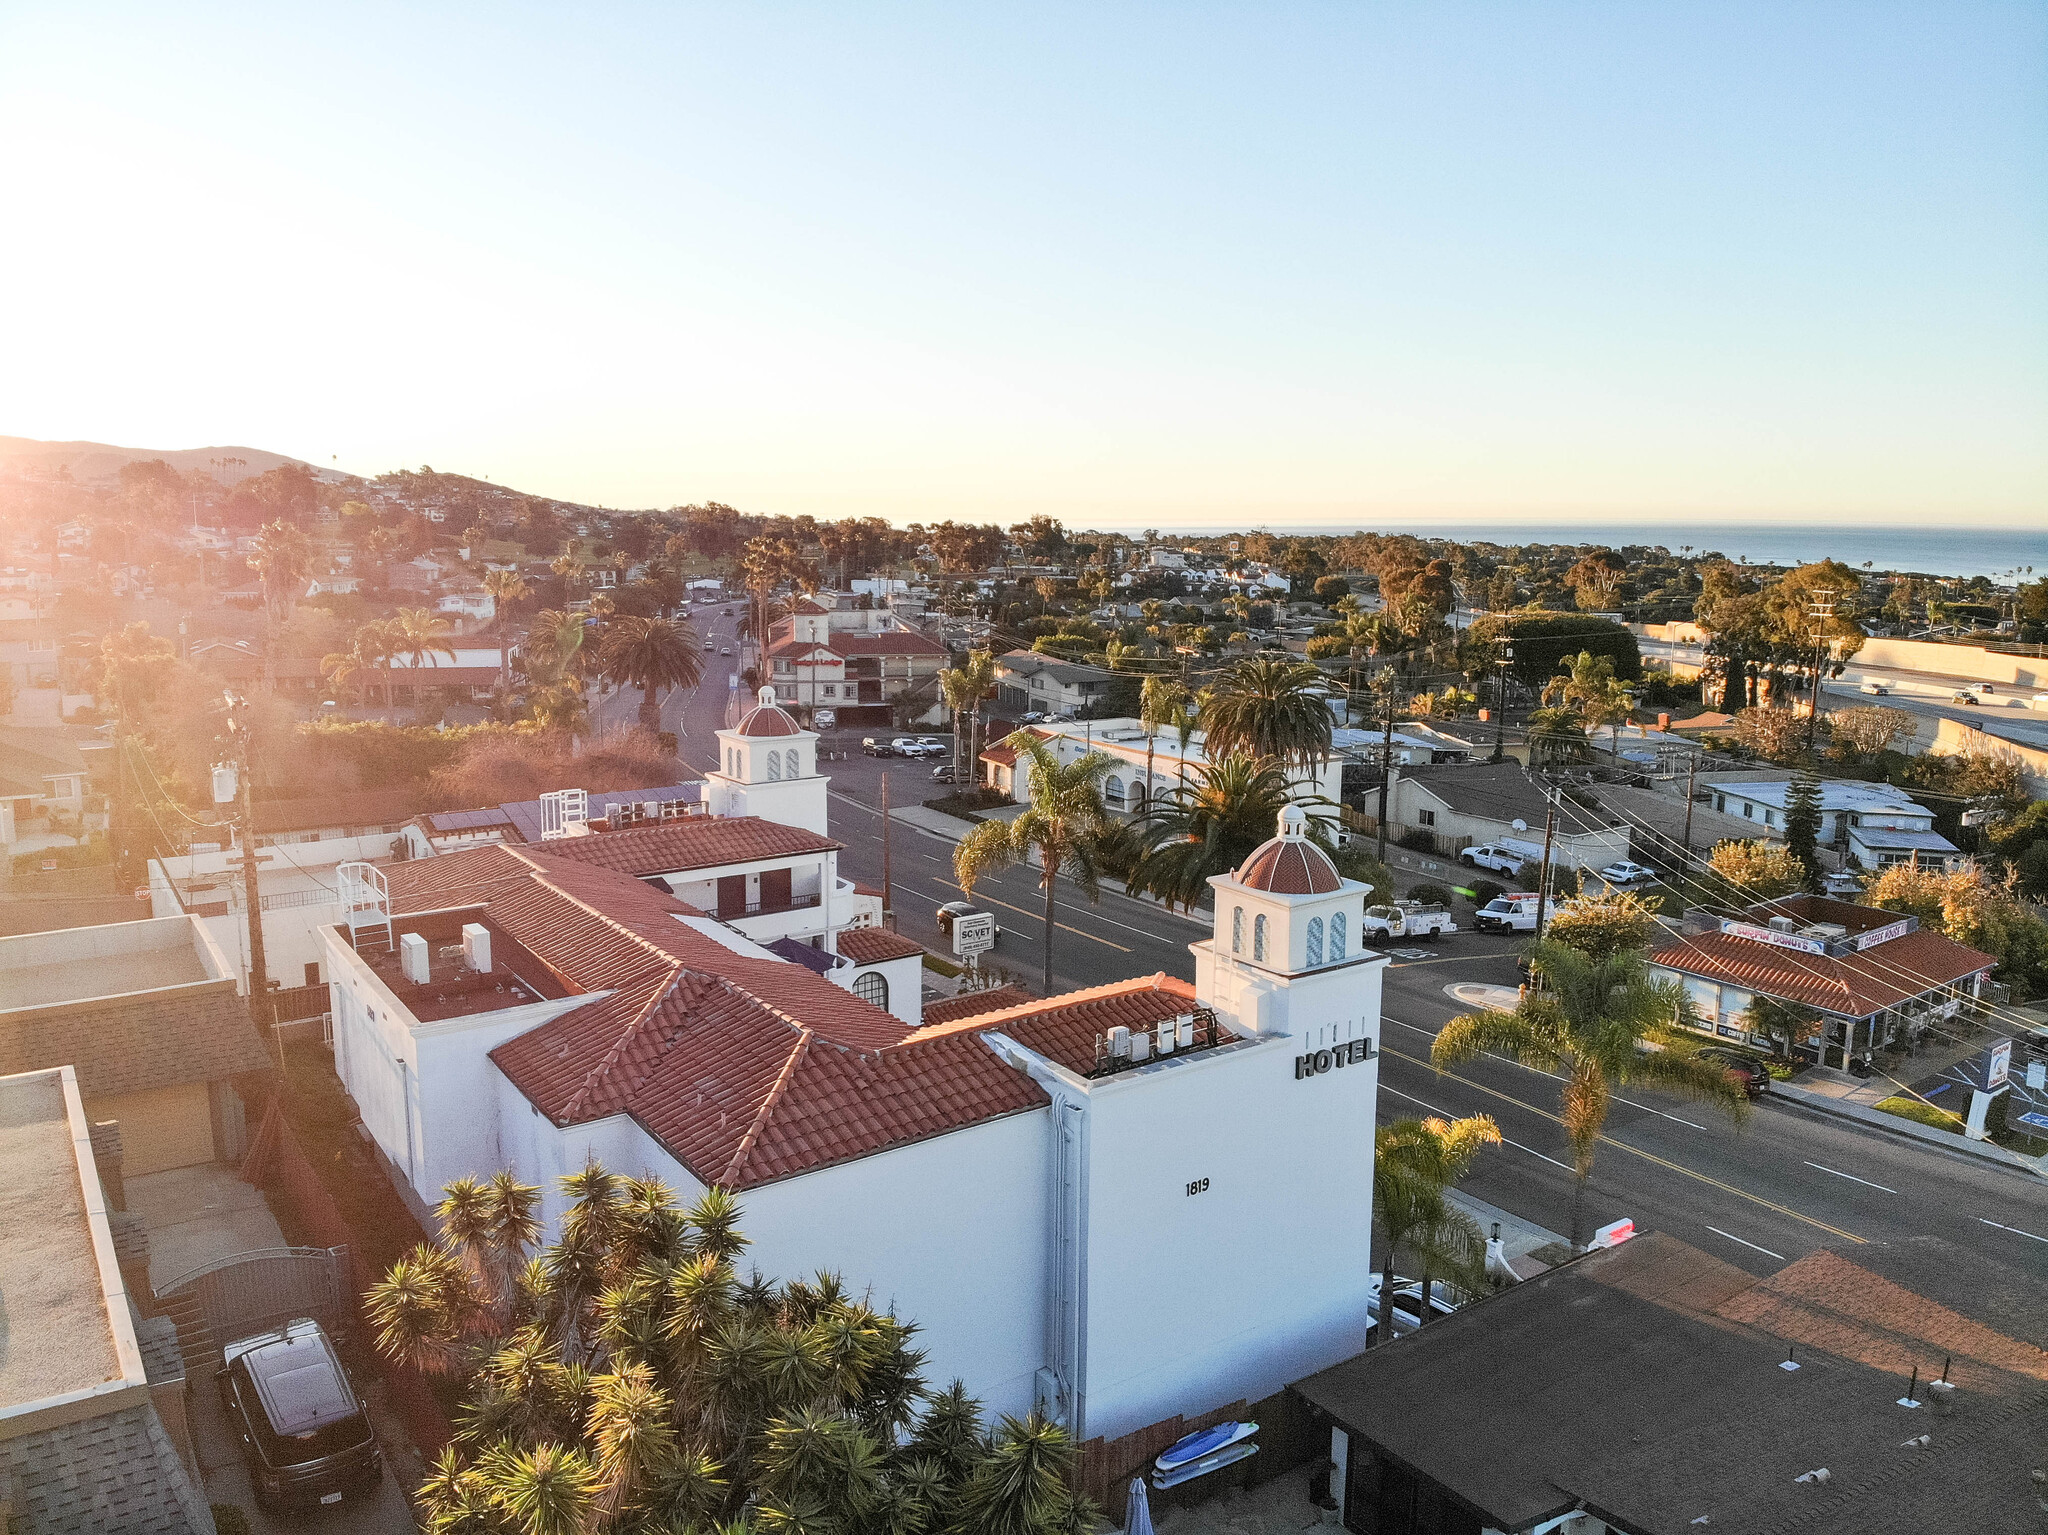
[[1663, 722], [476, 947], [412, 958]]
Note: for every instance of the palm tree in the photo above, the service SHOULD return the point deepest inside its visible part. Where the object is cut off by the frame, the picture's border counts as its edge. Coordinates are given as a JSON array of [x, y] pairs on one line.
[[1162, 701], [963, 687], [280, 557], [569, 566], [653, 655], [345, 669], [1061, 825], [1590, 1021], [1192, 835], [1415, 1162], [506, 587], [1268, 706], [625, 1379], [1586, 685], [416, 634]]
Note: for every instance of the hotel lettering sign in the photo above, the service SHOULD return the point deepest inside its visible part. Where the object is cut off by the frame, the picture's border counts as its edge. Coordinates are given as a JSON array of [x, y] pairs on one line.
[[1772, 936], [1878, 935], [1316, 1062]]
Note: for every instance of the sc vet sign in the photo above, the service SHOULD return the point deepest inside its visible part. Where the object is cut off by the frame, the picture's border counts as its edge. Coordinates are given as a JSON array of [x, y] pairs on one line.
[[1316, 1062], [974, 934]]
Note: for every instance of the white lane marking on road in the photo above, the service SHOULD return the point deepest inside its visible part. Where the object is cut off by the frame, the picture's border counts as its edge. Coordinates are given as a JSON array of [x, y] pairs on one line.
[[1852, 1178], [2013, 1229], [1449, 1114], [1431, 1034], [1731, 1236], [1093, 916]]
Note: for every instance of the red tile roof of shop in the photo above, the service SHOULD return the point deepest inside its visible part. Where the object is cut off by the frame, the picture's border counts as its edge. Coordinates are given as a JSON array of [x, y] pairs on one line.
[[974, 1003], [1064, 1028], [1003, 754], [887, 642], [872, 945], [1290, 866], [809, 608], [747, 1069], [810, 650], [694, 842], [1853, 985]]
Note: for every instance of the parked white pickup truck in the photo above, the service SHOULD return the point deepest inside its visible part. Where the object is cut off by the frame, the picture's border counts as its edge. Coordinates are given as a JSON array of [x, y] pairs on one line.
[[1507, 856], [1407, 919], [1515, 913]]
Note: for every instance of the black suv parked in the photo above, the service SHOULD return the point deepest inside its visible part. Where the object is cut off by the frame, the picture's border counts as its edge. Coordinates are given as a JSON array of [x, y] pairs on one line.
[[304, 1433]]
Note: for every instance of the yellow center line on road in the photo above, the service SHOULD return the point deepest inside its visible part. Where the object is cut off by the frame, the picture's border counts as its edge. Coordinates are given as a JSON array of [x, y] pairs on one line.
[[1647, 1156], [1034, 916]]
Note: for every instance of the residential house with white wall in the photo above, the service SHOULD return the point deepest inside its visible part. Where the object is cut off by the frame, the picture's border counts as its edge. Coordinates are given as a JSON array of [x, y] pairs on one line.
[[1030, 682], [858, 662], [1135, 751], [1015, 1180], [1874, 825], [1460, 806]]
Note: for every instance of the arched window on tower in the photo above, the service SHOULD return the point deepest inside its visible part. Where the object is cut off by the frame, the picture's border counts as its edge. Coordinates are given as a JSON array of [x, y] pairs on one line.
[[1336, 936], [790, 767], [1315, 941], [775, 767], [872, 986], [1237, 929], [1259, 937]]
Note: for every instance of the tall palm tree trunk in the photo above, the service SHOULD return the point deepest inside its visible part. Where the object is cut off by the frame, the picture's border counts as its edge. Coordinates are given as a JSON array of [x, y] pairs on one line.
[[1051, 890], [650, 709]]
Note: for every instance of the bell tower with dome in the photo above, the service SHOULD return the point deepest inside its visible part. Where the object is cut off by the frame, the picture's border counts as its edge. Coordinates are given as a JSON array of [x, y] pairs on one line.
[[768, 767], [1286, 957]]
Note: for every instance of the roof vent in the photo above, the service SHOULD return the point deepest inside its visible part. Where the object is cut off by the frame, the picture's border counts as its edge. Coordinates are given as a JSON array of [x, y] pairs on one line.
[[413, 963]]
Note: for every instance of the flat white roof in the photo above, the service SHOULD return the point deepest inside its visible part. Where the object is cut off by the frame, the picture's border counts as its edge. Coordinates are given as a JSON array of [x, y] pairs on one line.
[[113, 959], [67, 1332]]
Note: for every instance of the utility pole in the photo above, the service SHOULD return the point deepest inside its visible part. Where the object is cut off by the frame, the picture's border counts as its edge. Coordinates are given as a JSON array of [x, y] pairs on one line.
[[1692, 775], [1820, 607], [262, 1006], [888, 881], [1386, 765], [1500, 694], [1543, 880]]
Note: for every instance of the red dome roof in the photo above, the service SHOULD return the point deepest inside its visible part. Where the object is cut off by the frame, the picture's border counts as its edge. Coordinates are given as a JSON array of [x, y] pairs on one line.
[[1290, 866], [767, 719]]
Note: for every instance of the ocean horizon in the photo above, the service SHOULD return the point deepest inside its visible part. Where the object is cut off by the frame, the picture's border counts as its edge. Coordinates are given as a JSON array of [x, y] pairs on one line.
[[1965, 551]]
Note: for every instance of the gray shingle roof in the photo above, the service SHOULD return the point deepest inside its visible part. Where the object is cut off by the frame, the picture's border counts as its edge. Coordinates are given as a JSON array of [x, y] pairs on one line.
[[117, 1472]]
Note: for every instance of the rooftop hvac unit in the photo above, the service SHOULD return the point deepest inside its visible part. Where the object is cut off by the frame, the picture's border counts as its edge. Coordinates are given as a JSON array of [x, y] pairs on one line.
[[1781, 924], [476, 947], [413, 962], [1824, 930], [1120, 1043]]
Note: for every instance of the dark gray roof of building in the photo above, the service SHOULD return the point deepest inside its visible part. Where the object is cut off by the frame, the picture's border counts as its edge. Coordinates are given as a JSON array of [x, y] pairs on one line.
[[115, 1472], [1498, 791], [1643, 1383]]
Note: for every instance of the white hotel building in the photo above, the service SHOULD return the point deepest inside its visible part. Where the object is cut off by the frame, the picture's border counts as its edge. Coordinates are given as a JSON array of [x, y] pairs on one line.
[[1115, 1205]]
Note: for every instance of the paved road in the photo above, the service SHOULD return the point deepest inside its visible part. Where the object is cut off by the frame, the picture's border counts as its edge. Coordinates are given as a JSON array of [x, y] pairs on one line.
[[1791, 1181]]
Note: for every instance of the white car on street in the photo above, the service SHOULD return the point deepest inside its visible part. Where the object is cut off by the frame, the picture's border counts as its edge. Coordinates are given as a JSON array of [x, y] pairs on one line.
[[1623, 872]]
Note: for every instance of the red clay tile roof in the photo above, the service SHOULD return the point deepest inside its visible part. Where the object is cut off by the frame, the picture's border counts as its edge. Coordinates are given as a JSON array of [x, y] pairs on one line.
[[973, 1003], [813, 651], [746, 1069], [1005, 755], [1290, 866], [887, 642], [809, 608], [767, 720], [1853, 985], [872, 945], [694, 842], [1064, 1028]]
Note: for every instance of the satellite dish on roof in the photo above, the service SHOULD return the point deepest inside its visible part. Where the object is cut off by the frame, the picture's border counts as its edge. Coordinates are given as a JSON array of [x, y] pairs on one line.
[[1520, 824]]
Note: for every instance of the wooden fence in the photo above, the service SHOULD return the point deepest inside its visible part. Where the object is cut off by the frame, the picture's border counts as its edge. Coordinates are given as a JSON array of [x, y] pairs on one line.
[[277, 1163]]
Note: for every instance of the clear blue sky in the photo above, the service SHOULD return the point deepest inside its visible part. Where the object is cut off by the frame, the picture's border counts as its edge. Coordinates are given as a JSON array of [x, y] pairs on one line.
[[1127, 264]]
